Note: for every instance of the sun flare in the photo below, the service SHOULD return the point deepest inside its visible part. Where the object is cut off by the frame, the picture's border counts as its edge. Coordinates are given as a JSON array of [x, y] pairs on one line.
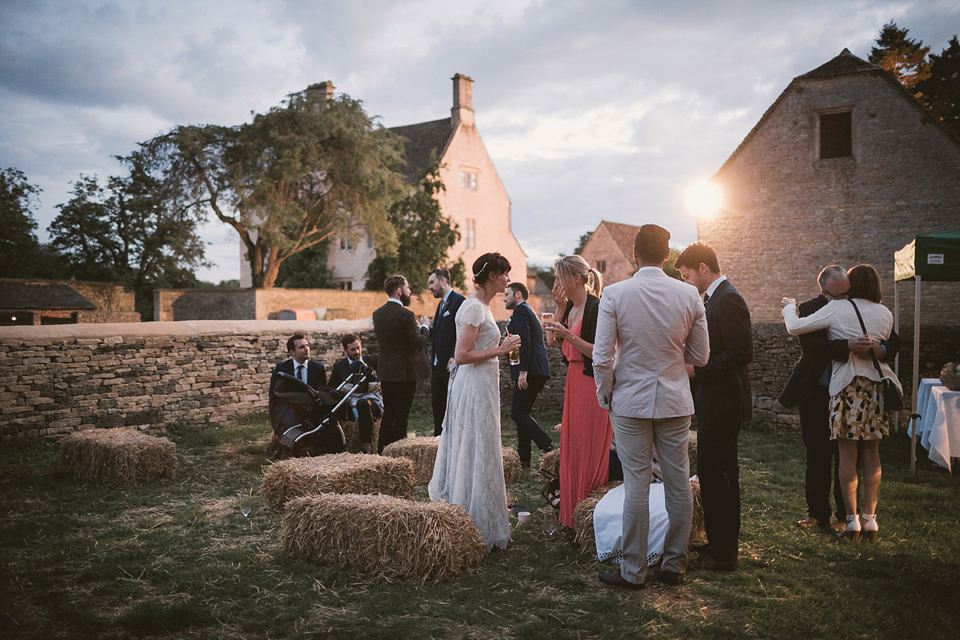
[[703, 198]]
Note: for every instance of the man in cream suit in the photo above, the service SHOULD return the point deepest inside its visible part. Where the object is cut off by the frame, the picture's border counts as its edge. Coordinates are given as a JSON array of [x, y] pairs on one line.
[[649, 328]]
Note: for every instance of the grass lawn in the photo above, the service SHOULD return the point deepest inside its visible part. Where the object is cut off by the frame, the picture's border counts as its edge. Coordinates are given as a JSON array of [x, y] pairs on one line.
[[177, 559]]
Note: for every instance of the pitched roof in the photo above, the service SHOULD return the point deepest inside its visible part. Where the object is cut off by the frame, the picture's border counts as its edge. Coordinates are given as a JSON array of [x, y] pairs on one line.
[[625, 236], [422, 140], [41, 296], [845, 64]]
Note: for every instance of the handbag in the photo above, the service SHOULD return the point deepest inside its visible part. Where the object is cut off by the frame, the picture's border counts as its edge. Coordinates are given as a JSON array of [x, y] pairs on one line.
[[891, 397]]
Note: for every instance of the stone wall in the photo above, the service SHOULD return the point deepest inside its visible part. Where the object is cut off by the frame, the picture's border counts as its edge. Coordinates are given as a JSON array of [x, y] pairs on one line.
[[58, 379]]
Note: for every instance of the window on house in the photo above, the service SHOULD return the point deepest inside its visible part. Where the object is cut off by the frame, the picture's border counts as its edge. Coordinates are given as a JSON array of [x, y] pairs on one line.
[[836, 135], [602, 266], [369, 242], [343, 243], [468, 180], [470, 238]]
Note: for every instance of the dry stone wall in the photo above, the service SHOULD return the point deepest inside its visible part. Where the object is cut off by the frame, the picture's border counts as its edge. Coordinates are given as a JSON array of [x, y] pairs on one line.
[[59, 379]]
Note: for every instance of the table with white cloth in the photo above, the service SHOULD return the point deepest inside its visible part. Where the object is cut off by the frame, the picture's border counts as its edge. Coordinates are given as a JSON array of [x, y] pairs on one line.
[[938, 427]]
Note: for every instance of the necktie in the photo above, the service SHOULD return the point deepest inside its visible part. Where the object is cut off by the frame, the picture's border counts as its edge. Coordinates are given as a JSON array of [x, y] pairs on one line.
[[440, 309], [300, 374], [706, 298]]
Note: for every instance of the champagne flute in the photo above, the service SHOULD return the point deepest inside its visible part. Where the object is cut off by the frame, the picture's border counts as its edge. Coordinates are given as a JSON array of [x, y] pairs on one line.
[[549, 522]]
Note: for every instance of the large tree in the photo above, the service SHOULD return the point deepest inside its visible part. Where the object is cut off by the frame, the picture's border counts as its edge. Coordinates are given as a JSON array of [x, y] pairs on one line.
[[135, 229], [904, 57], [941, 91], [425, 236], [293, 177], [19, 247]]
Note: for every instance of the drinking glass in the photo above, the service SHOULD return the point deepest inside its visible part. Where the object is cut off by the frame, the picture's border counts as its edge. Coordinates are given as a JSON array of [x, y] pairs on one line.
[[549, 522]]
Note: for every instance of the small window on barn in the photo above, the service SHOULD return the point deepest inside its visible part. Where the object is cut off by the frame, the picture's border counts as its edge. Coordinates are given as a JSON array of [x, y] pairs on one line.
[[836, 135], [602, 266]]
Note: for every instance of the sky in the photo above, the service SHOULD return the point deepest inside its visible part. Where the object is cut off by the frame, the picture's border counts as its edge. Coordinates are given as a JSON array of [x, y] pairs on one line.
[[591, 110]]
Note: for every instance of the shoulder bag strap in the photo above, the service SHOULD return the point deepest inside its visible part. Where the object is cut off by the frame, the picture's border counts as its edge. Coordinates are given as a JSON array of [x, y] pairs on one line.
[[862, 326]]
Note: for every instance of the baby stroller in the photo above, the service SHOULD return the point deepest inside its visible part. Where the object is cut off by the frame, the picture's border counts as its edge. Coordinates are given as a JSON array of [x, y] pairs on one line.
[[308, 426]]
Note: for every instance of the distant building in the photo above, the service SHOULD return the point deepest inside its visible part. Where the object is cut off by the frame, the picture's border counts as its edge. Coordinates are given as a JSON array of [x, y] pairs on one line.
[[474, 198], [610, 251], [845, 167], [45, 302]]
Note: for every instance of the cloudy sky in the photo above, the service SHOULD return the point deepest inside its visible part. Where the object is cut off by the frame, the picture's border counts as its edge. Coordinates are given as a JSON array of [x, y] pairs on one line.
[[591, 109]]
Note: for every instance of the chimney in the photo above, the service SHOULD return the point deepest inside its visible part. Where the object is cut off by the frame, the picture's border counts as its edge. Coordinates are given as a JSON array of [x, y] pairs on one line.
[[323, 92], [462, 112]]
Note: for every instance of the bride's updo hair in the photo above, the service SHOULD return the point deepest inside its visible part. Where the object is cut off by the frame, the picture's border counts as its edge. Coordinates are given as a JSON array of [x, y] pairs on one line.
[[488, 266], [569, 266]]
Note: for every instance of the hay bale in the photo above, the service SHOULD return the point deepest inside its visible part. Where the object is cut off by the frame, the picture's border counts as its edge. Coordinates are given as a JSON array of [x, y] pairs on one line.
[[422, 452], [548, 463], [417, 541], [122, 455], [352, 432], [338, 473], [511, 466], [583, 515]]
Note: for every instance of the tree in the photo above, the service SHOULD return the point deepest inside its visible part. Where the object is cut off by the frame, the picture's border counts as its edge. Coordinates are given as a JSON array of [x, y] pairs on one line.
[[19, 247], [307, 269], [904, 57], [941, 90], [293, 177], [136, 230], [582, 242], [424, 236]]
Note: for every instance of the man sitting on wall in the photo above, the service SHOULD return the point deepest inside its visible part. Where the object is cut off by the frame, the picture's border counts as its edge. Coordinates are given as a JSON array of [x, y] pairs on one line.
[[366, 403]]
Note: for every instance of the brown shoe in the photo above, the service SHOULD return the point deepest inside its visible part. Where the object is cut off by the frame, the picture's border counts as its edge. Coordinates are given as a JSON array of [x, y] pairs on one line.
[[617, 580], [808, 522], [707, 562]]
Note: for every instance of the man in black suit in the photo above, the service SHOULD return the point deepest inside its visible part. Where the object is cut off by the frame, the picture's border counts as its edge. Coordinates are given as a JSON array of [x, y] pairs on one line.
[[530, 374], [722, 402], [366, 403], [443, 340], [807, 390], [403, 358], [302, 367]]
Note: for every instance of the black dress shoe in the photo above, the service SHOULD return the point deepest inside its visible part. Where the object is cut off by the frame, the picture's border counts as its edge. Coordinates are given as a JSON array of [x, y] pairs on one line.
[[618, 580], [671, 578], [707, 562]]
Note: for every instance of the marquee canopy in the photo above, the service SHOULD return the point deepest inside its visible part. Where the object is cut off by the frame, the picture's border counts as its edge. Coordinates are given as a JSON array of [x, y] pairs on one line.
[[934, 257]]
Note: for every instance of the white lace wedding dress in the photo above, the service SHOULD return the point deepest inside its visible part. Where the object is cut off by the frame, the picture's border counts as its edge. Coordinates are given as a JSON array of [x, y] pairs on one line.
[[469, 469]]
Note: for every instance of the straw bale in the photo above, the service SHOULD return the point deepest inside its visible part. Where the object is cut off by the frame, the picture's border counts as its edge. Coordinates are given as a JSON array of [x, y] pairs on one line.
[[692, 451], [422, 452], [548, 463], [583, 515], [123, 455], [352, 431], [416, 541], [336, 473]]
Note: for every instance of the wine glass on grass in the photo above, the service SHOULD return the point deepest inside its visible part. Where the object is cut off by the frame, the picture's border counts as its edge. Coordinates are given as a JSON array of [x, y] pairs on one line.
[[549, 522]]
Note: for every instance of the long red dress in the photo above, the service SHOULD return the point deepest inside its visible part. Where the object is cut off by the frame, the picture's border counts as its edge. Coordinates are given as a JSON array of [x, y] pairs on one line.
[[584, 437]]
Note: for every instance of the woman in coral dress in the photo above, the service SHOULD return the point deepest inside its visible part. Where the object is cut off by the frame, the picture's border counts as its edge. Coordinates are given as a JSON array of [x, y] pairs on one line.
[[585, 433]]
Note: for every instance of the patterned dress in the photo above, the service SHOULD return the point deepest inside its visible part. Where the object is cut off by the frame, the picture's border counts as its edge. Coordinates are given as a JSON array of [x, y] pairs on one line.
[[855, 412]]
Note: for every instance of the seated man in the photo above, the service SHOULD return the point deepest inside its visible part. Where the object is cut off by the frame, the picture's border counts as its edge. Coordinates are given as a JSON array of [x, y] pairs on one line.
[[282, 415], [366, 403]]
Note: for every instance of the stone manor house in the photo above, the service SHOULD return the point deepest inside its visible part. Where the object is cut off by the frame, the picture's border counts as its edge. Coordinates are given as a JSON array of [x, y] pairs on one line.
[[474, 198]]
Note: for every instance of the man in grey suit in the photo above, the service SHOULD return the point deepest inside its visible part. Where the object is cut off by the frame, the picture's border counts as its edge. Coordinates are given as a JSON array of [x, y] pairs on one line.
[[403, 359], [529, 374], [648, 329]]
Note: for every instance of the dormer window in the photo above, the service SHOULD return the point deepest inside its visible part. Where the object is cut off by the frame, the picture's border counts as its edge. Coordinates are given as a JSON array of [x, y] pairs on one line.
[[468, 180], [836, 135]]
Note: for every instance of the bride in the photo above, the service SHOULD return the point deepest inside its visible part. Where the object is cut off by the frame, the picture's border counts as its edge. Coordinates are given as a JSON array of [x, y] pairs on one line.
[[469, 469]]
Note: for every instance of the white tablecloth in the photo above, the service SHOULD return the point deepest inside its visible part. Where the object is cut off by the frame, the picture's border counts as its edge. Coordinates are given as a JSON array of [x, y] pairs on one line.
[[938, 427]]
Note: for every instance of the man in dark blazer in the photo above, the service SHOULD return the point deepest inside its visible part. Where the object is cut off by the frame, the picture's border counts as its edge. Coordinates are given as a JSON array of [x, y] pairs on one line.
[[403, 358], [530, 374], [722, 402], [366, 403], [443, 340], [300, 366], [807, 390]]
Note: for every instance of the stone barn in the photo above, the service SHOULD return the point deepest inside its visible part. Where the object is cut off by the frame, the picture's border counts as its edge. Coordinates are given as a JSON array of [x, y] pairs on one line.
[[845, 167]]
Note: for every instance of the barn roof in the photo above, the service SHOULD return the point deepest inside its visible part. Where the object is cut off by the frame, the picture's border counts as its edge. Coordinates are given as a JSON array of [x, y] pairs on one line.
[[41, 296]]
